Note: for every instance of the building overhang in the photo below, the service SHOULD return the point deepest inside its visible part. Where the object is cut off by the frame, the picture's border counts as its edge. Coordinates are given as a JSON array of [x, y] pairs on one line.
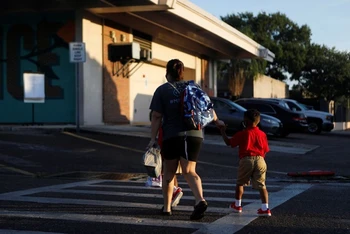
[[186, 25], [176, 23]]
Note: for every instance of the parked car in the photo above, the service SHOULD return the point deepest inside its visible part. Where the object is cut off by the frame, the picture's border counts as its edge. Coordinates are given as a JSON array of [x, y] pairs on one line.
[[292, 121], [309, 107], [233, 114], [318, 120]]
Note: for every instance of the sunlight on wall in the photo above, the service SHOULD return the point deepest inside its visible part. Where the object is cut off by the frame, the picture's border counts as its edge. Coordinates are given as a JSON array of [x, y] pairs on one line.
[[266, 87], [92, 71]]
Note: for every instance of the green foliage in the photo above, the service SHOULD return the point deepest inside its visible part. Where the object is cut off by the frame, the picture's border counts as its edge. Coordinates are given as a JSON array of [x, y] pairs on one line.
[[326, 73], [238, 71], [321, 71], [250, 69], [281, 35]]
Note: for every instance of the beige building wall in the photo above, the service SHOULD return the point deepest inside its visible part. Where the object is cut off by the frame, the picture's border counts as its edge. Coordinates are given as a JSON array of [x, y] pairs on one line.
[[143, 83], [147, 77], [165, 54], [198, 70], [116, 95], [341, 125], [92, 70], [267, 87]]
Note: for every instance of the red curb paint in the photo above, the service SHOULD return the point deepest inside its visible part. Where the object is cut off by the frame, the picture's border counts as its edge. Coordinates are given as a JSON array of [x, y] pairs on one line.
[[311, 173]]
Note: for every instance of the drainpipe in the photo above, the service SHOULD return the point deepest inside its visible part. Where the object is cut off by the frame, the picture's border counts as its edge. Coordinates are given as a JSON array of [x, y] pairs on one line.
[[215, 77]]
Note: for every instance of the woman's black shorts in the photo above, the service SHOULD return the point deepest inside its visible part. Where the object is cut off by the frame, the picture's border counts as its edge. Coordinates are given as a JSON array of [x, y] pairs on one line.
[[183, 146]]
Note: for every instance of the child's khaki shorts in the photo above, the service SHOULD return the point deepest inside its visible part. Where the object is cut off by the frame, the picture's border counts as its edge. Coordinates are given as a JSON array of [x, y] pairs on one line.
[[252, 168]]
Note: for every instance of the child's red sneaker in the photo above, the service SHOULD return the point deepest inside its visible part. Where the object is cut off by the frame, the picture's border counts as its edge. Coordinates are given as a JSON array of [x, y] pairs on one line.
[[237, 209], [264, 212], [177, 195]]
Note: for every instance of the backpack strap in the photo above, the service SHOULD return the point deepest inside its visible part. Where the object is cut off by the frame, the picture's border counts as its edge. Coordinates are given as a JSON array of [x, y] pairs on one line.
[[174, 87]]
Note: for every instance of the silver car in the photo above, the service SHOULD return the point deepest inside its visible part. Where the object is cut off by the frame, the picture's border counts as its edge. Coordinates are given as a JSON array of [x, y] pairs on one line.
[[318, 120], [233, 114]]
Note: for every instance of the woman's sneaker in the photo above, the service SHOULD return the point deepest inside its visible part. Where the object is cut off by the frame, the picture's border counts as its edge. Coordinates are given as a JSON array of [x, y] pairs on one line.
[[237, 209], [199, 210], [264, 212], [177, 195]]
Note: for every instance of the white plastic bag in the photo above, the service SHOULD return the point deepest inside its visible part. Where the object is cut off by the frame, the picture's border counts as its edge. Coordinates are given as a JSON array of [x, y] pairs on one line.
[[152, 160]]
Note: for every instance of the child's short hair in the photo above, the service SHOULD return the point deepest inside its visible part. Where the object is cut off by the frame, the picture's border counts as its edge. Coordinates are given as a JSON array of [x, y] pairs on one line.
[[253, 116]]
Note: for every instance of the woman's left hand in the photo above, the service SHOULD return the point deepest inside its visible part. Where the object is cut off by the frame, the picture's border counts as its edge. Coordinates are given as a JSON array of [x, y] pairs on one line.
[[151, 144]]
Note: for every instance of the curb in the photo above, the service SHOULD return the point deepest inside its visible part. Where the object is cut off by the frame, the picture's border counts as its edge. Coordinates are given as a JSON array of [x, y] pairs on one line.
[[31, 129], [315, 180], [343, 133], [316, 173], [314, 177]]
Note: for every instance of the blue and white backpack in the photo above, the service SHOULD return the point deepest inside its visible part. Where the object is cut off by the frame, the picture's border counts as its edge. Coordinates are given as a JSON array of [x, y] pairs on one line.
[[196, 107]]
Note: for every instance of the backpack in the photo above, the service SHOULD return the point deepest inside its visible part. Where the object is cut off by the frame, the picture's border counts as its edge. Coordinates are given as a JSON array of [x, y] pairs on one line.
[[196, 107]]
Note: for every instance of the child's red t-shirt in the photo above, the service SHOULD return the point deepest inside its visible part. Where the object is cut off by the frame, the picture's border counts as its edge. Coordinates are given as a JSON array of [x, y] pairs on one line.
[[251, 142]]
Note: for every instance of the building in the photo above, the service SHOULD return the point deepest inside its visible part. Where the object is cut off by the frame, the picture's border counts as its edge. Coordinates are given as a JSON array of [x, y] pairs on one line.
[[259, 87], [127, 46]]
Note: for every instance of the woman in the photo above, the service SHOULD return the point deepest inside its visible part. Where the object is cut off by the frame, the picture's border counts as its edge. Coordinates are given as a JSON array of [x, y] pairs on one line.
[[177, 192], [178, 144]]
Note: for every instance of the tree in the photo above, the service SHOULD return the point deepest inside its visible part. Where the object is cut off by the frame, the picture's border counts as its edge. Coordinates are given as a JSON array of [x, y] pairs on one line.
[[282, 36], [326, 73], [240, 70]]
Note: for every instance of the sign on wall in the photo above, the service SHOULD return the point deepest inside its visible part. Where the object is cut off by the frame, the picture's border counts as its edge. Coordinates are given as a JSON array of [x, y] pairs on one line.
[[34, 87], [77, 53]]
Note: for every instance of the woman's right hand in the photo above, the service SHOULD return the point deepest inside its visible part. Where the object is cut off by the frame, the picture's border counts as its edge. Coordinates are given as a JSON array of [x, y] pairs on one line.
[[220, 124]]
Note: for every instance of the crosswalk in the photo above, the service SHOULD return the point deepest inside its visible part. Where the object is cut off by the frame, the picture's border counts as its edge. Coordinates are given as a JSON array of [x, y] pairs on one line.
[[130, 203]]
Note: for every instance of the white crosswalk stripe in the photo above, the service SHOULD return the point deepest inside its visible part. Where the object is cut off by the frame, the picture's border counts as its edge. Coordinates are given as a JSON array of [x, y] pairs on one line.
[[218, 194]]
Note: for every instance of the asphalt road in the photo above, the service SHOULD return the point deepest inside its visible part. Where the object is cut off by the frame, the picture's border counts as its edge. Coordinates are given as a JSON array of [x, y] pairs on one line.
[[69, 183]]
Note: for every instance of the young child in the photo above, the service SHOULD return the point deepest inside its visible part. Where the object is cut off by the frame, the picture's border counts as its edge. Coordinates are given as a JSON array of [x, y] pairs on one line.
[[253, 146]]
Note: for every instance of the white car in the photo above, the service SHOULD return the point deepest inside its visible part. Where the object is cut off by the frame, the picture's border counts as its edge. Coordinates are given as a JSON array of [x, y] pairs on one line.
[[318, 120]]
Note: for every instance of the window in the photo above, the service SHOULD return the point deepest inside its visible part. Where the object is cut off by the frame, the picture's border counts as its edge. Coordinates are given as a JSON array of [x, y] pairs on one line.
[[263, 108], [143, 39], [247, 105], [226, 107], [217, 105], [221, 106], [293, 106]]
